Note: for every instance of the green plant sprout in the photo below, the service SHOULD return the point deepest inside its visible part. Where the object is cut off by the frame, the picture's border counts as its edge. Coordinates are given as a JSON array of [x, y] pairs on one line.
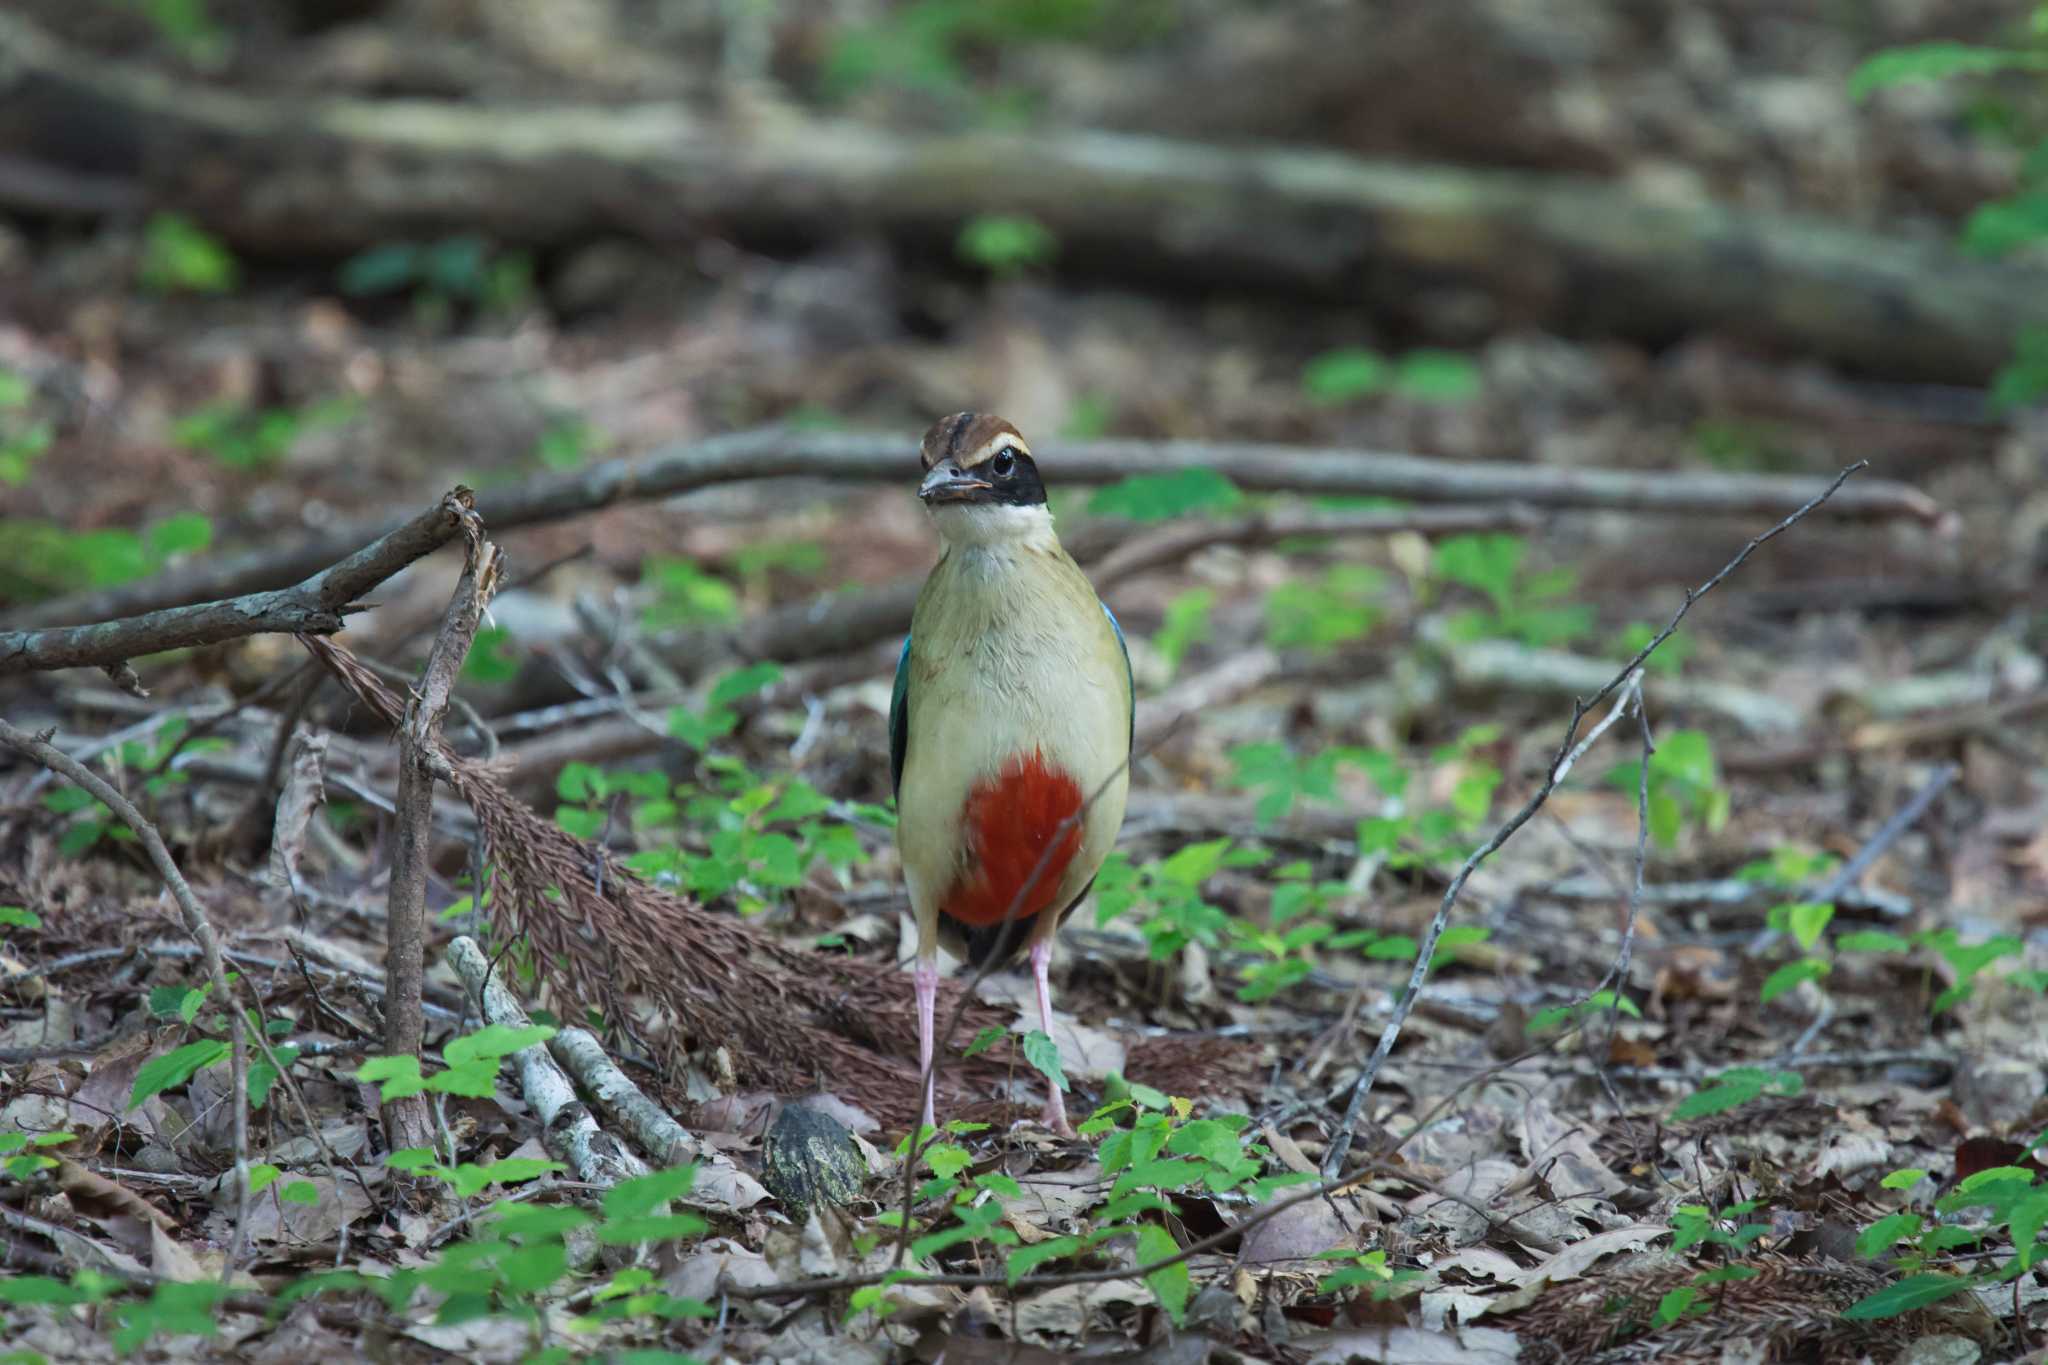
[[22, 442], [1522, 607], [180, 257], [244, 439], [1349, 373], [1006, 244]]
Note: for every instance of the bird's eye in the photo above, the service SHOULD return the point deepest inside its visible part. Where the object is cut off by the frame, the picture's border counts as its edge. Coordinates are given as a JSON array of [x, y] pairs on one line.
[[1003, 465]]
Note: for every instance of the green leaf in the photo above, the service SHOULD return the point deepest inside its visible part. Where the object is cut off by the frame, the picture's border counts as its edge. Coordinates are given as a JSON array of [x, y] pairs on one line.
[[180, 256], [477, 1080], [1024, 1260], [1808, 921], [947, 1159], [1005, 243], [396, 1076], [174, 1068], [666, 1227], [2005, 225], [1789, 976], [1485, 562], [645, 1194], [1934, 62], [744, 682], [1907, 1295], [1043, 1055], [1873, 941], [494, 1041], [33, 1289], [1673, 1305], [1159, 497], [15, 916], [407, 1158], [300, 1192], [1903, 1179], [984, 1040], [1170, 1285], [1339, 376], [1207, 1138], [1433, 376], [1995, 1175], [380, 270], [1886, 1233], [579, 821], [492, 658]]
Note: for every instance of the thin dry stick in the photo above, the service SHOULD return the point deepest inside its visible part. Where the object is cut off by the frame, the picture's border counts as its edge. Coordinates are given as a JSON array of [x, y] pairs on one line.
[[772, 452], [197, 925], [316, 606], [1617, 976], [406, 1119], [1903, 819], [1340, 1145]]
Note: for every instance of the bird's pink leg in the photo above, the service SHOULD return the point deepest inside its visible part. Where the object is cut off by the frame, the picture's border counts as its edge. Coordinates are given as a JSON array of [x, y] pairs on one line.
[[927, 978], [1055, 1107]]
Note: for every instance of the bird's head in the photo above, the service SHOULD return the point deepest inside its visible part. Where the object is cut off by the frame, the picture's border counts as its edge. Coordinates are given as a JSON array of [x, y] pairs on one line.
[[980, 484]]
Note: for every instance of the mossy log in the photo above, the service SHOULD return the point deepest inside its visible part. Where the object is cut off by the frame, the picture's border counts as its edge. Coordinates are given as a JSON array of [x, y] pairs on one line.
[[296, 175]]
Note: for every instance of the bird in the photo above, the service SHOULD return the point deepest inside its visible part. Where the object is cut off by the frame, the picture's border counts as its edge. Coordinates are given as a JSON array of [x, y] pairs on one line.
[[1010, 724]]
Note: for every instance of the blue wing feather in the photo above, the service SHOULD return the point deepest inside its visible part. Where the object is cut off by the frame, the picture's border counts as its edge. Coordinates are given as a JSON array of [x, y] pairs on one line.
[[1130, 679], [899, 719]]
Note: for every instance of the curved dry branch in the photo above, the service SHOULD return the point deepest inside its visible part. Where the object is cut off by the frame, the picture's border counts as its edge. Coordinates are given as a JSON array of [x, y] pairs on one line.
[[685, 466], [316, 606]]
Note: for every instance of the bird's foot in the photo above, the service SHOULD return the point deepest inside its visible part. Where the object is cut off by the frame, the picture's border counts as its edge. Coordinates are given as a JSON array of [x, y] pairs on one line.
[[1054, 1116]]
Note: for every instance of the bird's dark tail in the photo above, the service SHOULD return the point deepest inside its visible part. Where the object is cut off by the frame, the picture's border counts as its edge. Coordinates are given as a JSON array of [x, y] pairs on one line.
[[1000, 944]]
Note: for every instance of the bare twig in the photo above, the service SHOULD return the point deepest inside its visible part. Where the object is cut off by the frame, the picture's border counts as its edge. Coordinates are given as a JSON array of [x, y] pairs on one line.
[[775, 453], [197, 924], [570, 1127], [1340, 1145], [406, 1120], [1174, 542], [316, 606], [1903, 819]]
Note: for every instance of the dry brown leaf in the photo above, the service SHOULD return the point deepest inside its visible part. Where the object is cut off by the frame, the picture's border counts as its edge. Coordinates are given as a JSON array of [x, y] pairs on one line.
[[1312, 1226], [273, 1218], [305, 788]]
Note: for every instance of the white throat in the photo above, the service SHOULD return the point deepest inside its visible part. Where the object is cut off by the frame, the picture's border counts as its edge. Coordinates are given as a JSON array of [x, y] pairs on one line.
[[994, 526]]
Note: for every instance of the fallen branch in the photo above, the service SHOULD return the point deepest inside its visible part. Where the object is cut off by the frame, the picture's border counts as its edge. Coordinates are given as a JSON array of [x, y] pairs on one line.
[[1567, 252], [316, 606], [776, 453], [571, 1130], [1567, 752], [1509, 665], [406, 1120], [720, 1185]]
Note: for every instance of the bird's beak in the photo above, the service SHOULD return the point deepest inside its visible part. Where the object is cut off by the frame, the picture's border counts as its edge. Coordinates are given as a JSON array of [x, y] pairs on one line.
[[947, 482]]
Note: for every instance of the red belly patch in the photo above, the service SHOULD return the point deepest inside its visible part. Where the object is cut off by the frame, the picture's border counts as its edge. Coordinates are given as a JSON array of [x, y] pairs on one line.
[[1009, 822]]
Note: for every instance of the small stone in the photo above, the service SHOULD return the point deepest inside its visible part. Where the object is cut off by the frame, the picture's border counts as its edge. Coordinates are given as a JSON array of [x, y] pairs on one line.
[[810, 1157], [1997, 1093]]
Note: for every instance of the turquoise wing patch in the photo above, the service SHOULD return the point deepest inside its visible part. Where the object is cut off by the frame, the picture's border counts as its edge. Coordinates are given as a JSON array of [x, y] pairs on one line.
[[1130, 679], [899, 716]]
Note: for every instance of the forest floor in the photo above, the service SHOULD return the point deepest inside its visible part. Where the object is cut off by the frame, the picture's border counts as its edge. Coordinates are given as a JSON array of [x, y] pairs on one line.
[[1826, 899]]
